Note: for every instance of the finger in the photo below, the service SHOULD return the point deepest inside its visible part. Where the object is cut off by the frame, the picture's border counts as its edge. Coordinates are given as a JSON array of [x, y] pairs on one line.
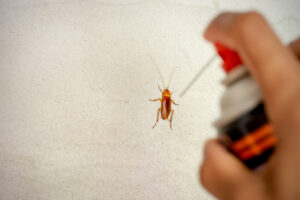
[[272, 64], [226, 177], [295, 47]]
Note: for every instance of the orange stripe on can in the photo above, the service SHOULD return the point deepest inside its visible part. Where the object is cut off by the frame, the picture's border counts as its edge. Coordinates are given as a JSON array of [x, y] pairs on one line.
[[252, 139], [258, 148]]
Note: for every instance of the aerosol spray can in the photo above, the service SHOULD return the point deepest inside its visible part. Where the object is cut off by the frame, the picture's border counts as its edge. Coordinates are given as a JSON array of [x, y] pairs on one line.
[[243, 126]]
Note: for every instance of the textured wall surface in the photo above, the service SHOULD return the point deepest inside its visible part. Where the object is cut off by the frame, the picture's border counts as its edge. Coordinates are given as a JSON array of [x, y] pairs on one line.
[[75, 79]]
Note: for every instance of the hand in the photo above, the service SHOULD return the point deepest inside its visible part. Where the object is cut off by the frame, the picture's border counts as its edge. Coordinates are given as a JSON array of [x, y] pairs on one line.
[[277, 71]]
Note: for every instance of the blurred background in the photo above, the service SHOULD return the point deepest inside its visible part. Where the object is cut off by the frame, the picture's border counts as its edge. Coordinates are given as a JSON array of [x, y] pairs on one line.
[[75, 79]]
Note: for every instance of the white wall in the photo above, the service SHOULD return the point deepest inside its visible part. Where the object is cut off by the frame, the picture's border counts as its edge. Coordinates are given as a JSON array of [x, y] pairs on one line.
[[75, 79]]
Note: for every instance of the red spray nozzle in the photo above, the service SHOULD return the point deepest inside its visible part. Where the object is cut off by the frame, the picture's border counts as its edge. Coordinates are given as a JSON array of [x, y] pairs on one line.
[[230, 58]]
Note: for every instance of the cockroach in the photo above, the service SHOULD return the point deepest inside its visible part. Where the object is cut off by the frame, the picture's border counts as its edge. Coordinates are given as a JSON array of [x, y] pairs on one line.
[[166, 102]]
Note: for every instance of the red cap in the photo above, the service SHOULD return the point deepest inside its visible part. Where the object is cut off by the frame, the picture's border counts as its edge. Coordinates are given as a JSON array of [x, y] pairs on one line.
[[231, 59]]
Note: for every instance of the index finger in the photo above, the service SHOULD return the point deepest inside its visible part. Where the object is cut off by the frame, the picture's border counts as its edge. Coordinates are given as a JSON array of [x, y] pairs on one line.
[[272, 64]]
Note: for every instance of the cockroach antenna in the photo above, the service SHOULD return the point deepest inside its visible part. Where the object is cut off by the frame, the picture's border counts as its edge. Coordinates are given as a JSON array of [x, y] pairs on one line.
[[171, 76], [159, 72], [207, 64]]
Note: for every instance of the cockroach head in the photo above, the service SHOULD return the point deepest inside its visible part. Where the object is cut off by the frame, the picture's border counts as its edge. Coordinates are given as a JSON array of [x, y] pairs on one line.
[[167, 93]]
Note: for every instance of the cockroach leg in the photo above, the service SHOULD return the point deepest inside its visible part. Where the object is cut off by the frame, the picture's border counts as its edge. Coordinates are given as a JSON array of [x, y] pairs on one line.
[[174, 102], [155, 100], [171, 117], [157, 117]]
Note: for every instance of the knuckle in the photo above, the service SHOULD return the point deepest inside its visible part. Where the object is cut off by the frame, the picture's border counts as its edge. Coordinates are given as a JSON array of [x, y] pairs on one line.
[[248, 25]]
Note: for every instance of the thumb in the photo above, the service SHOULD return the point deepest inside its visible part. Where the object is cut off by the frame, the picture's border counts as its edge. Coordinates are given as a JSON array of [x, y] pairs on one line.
[[226, 177]]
